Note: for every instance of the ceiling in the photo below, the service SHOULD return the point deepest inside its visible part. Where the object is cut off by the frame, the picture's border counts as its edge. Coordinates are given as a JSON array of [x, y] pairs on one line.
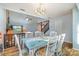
[[52, 9]]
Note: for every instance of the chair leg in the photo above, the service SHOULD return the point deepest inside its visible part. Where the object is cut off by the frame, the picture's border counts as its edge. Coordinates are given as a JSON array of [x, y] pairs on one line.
[[59, 53]]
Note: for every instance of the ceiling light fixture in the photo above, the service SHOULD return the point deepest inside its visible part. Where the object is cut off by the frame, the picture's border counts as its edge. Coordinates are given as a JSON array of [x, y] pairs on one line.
[[40, 10]]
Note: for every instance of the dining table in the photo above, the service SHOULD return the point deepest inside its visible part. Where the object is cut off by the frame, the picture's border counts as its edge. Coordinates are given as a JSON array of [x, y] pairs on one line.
[[36, 42]]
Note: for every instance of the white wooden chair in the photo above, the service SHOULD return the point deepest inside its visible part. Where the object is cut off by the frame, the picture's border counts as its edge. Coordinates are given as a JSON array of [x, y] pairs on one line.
[[29, 34], [50, 49], [59, 51], [39, 34], [18, 44], [51, 46], [53, 33]]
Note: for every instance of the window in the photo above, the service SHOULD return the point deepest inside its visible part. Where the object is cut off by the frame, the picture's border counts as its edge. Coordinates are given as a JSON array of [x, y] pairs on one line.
[[78, 34]]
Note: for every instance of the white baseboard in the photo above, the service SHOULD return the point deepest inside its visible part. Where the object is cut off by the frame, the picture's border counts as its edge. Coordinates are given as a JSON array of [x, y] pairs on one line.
[[68, 41], [75, 49]]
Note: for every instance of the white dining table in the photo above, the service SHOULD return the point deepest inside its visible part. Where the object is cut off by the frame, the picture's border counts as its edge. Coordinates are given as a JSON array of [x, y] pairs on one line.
[[36, 42]]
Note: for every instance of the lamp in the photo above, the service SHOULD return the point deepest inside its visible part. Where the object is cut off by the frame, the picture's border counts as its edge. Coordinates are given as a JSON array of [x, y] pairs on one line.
[[28, 20]]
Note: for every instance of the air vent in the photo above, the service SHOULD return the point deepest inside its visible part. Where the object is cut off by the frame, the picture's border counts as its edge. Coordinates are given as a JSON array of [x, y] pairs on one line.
[[22, 10]]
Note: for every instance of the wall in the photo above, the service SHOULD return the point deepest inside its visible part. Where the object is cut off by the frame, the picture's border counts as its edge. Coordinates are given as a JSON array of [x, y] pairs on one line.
[[63, 24], [75, 24], [19, 19], [2, 21]]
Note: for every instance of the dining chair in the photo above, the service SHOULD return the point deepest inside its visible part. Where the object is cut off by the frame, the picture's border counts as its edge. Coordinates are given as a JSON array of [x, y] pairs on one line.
[[53, 33], [59, 50], [18, 44], [51, 46], [29, 34], [39, 34], [49, 49]]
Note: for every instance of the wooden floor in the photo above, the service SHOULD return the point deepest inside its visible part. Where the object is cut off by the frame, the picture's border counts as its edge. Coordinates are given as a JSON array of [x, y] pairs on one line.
[[67, 50], [13, 51]]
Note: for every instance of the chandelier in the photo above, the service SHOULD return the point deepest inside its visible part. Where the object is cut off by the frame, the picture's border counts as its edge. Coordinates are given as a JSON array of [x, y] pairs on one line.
[[40, 10]]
